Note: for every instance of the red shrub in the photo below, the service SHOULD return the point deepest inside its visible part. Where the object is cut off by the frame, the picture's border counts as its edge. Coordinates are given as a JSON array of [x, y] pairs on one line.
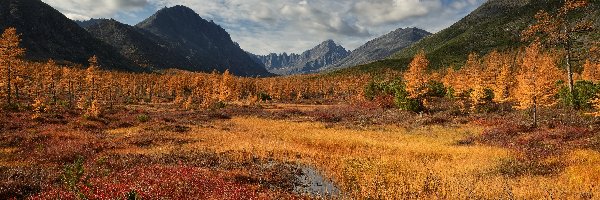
[[163, 182]]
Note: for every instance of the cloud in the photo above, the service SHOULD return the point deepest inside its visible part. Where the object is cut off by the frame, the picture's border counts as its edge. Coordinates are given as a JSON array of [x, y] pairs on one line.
[[384, 12], [85, 9], [263, 26]]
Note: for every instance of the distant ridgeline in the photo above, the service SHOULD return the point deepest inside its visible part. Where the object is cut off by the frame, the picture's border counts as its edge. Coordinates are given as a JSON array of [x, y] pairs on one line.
[[329, 56], [496, 25], [174, 37]]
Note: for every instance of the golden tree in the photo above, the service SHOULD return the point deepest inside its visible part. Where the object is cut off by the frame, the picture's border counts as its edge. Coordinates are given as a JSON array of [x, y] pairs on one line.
[[504, 82], [51, 78], [560, 30], [465, 79], [10, 58], [450, 77], [226, 87], [537, 80], [481, 77], [92, 76], [590, 71], [415, 78], [88, 101]]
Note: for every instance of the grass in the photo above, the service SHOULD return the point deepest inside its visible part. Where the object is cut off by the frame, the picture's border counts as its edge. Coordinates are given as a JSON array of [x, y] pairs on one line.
[[253, 151], [388, 162], [356, 159]]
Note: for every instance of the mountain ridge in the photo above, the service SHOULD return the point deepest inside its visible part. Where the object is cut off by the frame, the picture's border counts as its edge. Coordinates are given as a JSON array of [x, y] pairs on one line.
[[382, 47], [48, 34], [495, 25], [136, 45], [313, 60], [205, 44]]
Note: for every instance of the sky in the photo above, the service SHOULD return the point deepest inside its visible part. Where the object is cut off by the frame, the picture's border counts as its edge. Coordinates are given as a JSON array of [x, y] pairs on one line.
[[293, 26]]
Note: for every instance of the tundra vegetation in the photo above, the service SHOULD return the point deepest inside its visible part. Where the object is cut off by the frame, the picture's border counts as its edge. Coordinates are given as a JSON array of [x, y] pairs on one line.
[[520, 123]]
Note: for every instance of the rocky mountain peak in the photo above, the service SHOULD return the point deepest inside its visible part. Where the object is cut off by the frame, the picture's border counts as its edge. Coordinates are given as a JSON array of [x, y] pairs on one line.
[[47, 33], [311, 61], [382, 47], [205, 44]]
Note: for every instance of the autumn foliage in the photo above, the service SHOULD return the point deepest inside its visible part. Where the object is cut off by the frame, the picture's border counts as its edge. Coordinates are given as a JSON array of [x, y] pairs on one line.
[[44, 87], [416, 77]]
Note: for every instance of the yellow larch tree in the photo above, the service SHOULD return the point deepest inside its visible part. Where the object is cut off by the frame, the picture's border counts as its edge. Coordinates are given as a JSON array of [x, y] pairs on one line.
[[468, 76], [450, 79], [504, 82], [225, 87], [92, 77], [10, 58], [416, 78], [559, 29], [590, 71], [537, 80], [482, 76], [90, 101]]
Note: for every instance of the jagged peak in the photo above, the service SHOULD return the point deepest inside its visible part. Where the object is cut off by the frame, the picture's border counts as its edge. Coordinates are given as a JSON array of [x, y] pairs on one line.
[[329, 41], [168, 15], [329, 44], [176, 9]]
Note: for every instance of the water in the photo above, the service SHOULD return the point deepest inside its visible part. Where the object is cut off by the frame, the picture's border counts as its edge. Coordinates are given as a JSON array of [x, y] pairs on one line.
[[312, 183]]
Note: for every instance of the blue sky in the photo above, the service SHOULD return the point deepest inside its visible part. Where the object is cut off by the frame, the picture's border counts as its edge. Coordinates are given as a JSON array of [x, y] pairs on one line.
[[264, 26]]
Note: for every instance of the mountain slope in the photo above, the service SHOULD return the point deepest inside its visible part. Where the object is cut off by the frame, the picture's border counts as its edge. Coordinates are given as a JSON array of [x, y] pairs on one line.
[[205, 44], [382, 47], [497, 24], [136, 46], [89, 22], [46, 33], [310, 61]]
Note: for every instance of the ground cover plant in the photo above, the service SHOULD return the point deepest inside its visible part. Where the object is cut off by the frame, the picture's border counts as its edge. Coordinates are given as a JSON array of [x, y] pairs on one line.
[[519, 123]]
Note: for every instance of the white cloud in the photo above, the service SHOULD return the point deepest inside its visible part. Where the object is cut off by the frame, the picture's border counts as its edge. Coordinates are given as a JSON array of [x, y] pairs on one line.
[[263, 26], [392, 11], [85, 9]]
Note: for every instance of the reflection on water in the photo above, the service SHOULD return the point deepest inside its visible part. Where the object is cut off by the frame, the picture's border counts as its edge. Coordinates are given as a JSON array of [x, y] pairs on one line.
[[311, 182]]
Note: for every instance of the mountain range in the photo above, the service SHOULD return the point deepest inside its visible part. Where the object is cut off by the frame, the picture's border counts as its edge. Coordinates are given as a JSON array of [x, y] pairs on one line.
[[497, 24], [382, 47], [137, 45], [329, 56], [174, 37], [177, 37], [311, 61], [48, 34], [205, 44]]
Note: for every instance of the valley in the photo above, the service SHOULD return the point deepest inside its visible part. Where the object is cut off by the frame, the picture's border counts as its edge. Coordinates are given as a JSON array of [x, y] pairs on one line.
[[503, 104]]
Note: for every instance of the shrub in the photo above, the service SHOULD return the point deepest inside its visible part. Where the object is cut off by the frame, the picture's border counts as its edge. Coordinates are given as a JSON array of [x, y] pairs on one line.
[[73, 177], [132, 195], [264, 97], [380, 92], [584, 92], [436, 89], [143, 118], [450, 93], [404, 102], [371, 90], [374, 89]]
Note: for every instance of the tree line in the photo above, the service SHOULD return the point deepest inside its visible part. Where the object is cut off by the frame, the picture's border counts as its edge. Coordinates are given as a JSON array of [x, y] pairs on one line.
[[44, 87], [554, 67]]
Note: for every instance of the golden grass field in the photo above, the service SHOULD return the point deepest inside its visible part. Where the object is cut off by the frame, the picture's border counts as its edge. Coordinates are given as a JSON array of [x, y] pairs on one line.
[[257, 152], [385, 162]]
